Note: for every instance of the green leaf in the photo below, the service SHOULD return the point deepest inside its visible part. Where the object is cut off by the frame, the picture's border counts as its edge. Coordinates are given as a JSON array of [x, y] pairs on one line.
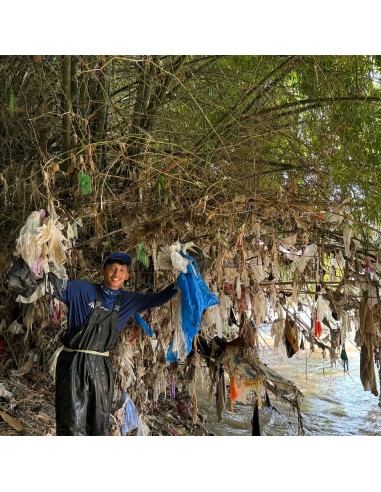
[[12, 103], [159, 186]]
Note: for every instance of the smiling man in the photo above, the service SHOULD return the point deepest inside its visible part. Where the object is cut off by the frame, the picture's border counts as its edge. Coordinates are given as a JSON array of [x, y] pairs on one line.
[[96, 315], [115, 274]]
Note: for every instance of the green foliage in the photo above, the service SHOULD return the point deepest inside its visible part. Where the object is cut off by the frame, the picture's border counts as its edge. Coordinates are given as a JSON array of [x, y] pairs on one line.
[[236, 125]]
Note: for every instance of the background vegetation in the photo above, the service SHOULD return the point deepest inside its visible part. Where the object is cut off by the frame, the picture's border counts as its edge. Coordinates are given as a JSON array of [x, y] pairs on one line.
[[172, 135]]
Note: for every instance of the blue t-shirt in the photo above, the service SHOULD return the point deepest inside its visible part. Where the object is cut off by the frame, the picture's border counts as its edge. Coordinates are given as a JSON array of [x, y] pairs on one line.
[[80, 295]]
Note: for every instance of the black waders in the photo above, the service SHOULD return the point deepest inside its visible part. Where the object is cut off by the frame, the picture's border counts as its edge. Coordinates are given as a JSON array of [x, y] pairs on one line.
[[84, 379]]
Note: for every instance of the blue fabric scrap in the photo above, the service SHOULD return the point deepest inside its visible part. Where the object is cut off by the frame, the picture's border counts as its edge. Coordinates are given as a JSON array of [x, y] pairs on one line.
[[139, 319]]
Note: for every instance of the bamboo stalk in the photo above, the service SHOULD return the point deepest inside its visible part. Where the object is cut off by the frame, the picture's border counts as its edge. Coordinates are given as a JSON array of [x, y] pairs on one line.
[[102, 111], [66, 106]]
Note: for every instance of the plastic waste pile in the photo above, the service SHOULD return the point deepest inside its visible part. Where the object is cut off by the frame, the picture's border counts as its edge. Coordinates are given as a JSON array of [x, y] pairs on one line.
[[41, 247]]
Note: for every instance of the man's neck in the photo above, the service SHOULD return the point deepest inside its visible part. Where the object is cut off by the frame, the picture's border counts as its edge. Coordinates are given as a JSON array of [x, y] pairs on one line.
[[109, 291]]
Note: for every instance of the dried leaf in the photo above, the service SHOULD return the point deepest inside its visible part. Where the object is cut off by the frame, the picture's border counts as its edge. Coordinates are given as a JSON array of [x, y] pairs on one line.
[[16, 424]]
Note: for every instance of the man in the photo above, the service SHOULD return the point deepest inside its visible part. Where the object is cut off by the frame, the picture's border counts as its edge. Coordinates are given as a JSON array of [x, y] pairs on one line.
[[96, 314]]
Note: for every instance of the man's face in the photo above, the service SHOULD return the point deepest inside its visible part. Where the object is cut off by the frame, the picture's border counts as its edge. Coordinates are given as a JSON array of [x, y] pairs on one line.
[[114, 275]]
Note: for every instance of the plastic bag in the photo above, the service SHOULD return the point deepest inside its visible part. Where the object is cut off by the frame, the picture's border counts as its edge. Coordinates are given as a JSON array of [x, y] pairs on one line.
[[41, 244], [131, 416], [15, 328], [195, 298], [21, 280], [178, 261], [54, 243], [143, 429], [26, 245], [139, 319], [84, 182], [179, 343], [4, 393]]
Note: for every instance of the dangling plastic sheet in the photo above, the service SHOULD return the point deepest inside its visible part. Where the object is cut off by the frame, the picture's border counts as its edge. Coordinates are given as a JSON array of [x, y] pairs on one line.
[[195, 298]]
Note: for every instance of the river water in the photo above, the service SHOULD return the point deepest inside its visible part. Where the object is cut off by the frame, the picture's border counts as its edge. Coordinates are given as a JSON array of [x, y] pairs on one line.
[[334, 403]]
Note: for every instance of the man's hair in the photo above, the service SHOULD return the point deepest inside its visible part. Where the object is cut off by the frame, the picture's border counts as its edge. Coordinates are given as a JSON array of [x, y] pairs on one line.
[[110, 261]]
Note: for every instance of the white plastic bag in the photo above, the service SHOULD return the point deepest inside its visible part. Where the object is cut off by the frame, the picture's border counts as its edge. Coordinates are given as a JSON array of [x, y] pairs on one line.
[[178, 262], [4, 393], [26, 244], [41, 244]]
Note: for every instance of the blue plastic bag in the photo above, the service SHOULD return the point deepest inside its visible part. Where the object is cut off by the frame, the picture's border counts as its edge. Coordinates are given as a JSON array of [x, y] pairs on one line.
[[131, 417], [195, 298]]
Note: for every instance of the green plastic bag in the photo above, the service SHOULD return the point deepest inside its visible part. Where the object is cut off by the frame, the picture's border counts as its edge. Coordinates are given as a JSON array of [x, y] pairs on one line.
[[85, 183]]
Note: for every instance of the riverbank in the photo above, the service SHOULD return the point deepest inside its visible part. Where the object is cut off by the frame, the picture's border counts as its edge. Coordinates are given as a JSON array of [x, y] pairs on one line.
[[27, 409]]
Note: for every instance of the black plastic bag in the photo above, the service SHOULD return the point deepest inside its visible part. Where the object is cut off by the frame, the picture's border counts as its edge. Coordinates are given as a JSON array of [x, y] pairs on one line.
[[21, 280]]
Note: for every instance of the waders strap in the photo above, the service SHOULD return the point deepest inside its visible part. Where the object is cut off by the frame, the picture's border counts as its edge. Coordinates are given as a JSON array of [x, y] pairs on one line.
[[105, 354], [117, 302], [98, 299]]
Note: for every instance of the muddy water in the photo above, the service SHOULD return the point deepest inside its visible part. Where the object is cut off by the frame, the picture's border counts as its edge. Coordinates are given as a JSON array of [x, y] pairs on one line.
[[334, 404]]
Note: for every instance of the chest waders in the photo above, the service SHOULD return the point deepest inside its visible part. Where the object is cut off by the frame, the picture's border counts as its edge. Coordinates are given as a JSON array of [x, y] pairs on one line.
[[84, 382]]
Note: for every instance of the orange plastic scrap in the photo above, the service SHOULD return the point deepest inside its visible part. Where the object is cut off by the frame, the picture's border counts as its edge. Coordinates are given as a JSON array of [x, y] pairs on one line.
[[234, 393], [317, 329], [239, 389]]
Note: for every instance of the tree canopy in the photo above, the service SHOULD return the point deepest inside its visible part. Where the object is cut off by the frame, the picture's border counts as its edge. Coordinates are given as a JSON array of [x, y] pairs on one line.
[[180, 129]]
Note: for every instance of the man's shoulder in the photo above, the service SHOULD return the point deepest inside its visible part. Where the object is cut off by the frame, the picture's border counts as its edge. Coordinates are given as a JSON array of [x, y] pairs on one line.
[[127, 294], [81, 286], [81, 283]]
